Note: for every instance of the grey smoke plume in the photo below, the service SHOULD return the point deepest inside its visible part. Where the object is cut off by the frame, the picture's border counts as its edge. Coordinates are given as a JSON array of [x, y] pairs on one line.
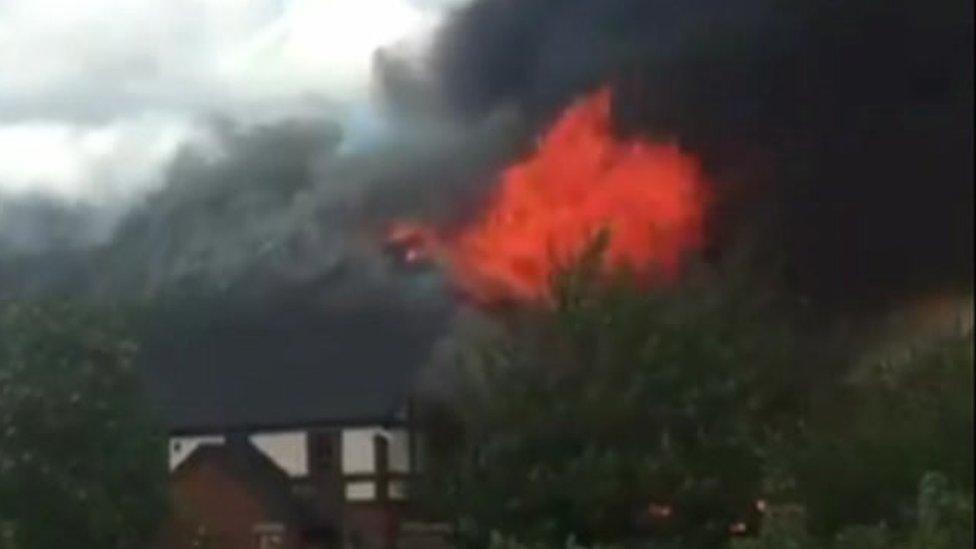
[[39, 223], [271, 211], [99, 116]]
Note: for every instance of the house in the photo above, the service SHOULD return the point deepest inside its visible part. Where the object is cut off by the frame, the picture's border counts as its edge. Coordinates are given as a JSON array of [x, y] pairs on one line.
[[233, 495], [289, 428]]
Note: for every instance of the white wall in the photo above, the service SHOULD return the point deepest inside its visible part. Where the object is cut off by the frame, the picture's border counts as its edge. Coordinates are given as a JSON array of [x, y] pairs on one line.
[[180, 448], [399, 447], [288, 450], [361, 490], [357, 450]]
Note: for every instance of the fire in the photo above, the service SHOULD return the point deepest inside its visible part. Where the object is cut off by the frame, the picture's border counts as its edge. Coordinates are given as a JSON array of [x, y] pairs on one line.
[[415, 243], [580, 181]]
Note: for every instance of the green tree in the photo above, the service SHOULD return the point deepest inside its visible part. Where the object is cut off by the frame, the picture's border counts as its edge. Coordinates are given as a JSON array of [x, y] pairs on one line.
[[617, 413], [887, 461], [895, 418], [82, 463], [660, 418], [943, 520]]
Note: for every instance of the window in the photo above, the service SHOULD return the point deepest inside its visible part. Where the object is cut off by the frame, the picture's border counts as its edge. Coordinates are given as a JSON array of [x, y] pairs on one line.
[[398, 490], [271, 535], [360, 490]]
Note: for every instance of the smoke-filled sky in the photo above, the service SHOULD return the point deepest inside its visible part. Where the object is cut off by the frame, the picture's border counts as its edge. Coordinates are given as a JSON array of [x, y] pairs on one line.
[[96, 96], [243, 140], [258, 150]]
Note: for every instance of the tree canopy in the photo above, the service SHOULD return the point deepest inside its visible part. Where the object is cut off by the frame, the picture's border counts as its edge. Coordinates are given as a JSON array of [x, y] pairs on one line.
[[681, 417], [82, 461]]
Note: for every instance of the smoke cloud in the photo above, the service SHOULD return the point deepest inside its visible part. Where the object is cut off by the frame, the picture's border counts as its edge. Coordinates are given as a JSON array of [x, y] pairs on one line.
[[840, 136], [263, 213], [244, 149], [840, 133], [97, 97]]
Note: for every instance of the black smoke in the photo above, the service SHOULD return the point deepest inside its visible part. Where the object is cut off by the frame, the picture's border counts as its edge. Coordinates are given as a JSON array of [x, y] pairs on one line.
[[839, 134]]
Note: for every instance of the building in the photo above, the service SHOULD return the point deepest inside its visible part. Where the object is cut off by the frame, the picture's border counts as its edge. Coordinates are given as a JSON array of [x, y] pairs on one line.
[[288, 429], [233, 495]]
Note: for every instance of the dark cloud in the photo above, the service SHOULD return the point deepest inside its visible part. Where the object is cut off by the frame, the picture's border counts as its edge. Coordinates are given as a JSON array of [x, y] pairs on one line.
[[841, 132]]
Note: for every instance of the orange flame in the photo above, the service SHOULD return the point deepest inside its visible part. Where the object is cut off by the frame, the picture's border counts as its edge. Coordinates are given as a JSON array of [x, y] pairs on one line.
[[581, 180], [416, 243]]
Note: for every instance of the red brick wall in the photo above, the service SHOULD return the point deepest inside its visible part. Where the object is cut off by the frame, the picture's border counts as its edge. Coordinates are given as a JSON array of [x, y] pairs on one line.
[[371, 525], [207, 496]]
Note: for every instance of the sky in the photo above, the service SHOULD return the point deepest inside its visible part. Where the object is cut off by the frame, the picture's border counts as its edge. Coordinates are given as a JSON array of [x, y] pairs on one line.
[[97, 95]]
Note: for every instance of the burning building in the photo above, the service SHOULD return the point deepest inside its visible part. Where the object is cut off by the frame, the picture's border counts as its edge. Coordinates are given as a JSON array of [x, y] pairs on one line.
[[290, 429], [649, 199], [835, 140], [832, 138]]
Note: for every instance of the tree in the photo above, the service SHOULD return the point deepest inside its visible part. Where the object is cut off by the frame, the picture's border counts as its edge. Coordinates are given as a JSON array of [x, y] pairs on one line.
[[617, 413], [82, 462], [896, 419], [624, 417], [943, 520]]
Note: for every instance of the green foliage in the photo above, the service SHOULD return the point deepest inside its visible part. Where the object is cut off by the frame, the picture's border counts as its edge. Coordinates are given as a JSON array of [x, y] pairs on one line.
[[856, 469], [618, 414], [783, 527], [944, 515], [498, 541], [943, 520], [82, 463], [580, 417], [898, 416]]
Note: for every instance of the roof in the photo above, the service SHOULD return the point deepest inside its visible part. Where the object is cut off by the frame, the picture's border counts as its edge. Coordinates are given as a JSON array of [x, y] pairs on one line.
[[219, 370]]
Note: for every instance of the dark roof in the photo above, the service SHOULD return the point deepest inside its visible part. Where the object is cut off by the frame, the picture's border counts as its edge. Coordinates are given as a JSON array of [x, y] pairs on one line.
[[246, 369]]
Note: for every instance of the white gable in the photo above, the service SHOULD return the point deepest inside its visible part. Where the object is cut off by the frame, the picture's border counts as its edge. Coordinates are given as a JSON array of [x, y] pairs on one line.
[[288, 450]]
